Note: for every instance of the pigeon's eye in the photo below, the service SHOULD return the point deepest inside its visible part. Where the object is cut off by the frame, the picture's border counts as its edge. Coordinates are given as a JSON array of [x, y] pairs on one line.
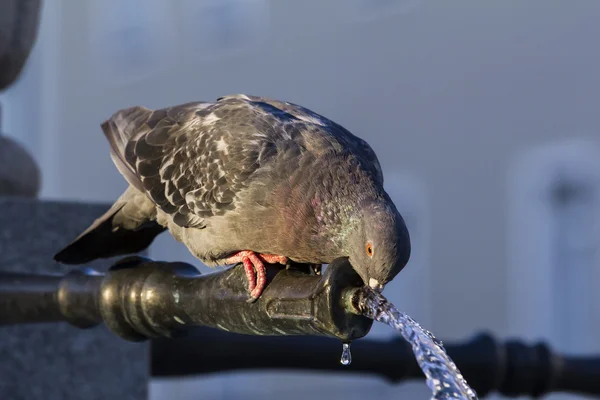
[[369, 249]]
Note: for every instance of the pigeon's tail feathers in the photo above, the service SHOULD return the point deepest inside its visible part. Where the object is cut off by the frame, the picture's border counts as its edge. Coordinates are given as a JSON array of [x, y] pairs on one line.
[[119, 130], [128, 227]]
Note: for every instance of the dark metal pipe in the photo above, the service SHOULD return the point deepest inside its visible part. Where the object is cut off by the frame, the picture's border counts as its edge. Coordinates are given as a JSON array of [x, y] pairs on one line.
[[139, 299], [24, 298], [510, 368]]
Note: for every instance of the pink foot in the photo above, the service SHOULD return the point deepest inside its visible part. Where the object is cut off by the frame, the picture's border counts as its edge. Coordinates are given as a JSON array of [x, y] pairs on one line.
[[256, 273]]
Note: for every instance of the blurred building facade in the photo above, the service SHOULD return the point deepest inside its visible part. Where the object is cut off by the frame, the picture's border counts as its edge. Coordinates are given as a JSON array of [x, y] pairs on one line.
[[484, 116]]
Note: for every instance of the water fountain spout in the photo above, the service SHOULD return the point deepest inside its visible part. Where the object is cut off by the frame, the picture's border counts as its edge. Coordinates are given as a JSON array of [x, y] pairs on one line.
[[139, 299]]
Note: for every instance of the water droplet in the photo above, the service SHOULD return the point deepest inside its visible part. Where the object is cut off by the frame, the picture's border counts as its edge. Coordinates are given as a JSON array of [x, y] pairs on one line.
[[346, 355]]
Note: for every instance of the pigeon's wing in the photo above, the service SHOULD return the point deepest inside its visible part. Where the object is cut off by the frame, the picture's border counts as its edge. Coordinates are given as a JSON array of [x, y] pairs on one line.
[[192, 160], [344, 138]]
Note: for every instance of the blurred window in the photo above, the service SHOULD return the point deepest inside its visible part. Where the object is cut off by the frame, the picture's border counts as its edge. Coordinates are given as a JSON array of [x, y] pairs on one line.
[[554, 246]]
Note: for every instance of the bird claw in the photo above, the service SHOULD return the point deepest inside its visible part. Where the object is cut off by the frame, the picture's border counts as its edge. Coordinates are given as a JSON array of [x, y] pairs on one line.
[[256, 273]]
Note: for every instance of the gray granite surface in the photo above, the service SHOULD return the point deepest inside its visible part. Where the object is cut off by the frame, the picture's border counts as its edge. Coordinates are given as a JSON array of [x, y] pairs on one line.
[[56, 360]]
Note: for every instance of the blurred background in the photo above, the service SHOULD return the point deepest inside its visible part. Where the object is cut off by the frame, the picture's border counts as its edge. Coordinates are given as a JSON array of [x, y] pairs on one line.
[[484, 115]]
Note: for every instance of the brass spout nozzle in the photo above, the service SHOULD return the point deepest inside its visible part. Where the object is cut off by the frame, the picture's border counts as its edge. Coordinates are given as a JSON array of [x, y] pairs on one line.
[[350, 300]]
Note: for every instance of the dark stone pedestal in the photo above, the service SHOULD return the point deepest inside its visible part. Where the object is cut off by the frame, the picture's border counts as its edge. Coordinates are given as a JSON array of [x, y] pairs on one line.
[[19, 22], [56, 360], [19, 173]]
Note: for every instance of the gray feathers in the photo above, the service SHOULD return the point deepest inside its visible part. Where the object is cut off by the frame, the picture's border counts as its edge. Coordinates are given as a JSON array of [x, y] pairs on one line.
[[245, 173], [129, 226], [194, 160]]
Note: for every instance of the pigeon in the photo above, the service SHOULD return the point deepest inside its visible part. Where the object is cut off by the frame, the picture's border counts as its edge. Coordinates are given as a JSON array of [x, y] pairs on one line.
[[252, 180]]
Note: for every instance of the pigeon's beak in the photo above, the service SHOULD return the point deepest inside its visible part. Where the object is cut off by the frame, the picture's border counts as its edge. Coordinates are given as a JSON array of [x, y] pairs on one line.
[[375, 285]]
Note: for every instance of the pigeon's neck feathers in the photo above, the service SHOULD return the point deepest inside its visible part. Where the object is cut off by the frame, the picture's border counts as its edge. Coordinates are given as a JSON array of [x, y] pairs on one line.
[[339, 202]]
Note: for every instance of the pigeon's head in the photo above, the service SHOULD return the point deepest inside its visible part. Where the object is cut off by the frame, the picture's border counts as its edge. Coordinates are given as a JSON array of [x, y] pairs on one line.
[[379, 246]]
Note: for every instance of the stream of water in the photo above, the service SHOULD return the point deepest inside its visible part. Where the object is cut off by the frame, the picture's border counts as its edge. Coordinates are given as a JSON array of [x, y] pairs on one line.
[[443, 377]]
